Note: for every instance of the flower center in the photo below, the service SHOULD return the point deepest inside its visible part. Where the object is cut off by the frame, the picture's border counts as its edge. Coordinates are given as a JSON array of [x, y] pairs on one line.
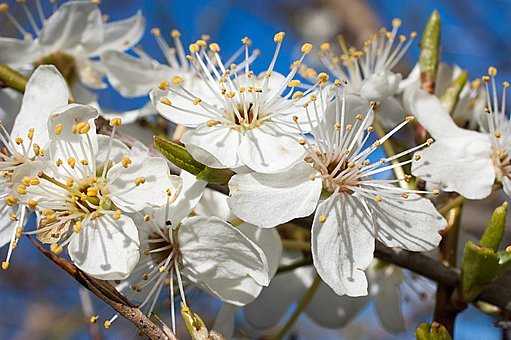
[[502, 162]]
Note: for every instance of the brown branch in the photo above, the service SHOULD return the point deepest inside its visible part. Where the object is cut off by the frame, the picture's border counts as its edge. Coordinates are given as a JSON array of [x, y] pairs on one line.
[[104, 291]]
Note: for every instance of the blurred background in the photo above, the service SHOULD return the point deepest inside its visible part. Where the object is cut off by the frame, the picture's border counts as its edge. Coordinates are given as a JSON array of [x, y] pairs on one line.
[[38, 301]]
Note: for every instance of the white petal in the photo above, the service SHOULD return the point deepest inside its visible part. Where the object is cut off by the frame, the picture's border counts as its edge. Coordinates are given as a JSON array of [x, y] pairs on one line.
[[68, 144], [222, 143], [218, 255], [380, 85], [224, 322], [268, 200], [269, 241], [117, 149], [387, 299], [85, 96], [131, 197], [412, 223], [6, 224], [214, 203], [333, 311], [267, 150], [131, 76], [10, 103], [343, 245], [122, 34], [45, 92], [75, 23], [506, 185], [390, 113], [90, 73], [460, 164], [187, 198], [17, 52], [106, 249]]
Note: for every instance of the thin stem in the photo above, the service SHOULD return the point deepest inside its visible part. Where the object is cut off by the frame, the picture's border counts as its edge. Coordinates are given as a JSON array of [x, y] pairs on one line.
[[304, 302], [12, 78], [451, 204], [296, 245], [298, 264]]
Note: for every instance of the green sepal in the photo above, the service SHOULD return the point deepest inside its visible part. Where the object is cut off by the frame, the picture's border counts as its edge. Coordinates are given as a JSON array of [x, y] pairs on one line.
[[452, 93], [434, 331], [495, 228], [430, 51], [194, 324], [180, 157], [479, 268]]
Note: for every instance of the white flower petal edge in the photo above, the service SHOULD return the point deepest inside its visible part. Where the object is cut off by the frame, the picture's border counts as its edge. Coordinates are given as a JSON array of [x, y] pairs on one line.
[[107, 249], [221, 259], [268, 200], [342, 245]]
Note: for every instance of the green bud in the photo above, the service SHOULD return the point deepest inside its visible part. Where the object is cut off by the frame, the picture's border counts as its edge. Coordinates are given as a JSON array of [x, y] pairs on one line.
[[434, 331], [430, 52], [452, 94], [181, 158], [495, 228], [194, 324], [479, 268]]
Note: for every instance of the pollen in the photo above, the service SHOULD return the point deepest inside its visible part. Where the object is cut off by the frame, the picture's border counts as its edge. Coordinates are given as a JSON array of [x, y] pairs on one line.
[[322, 77], [139, 181], [294, 83], [396, 22], [32, 204], [26, 181], [214, 47], [4, 8], [30, 133], [93, 319], [196, 101], [56, 248], [492, 71], [324, 47], [77, 227], [306, 48], [165, 101], [417, 157], [156, 31], [59, 162], [11, 200], [5, 265], [213, 122], [246, 41], [147, 218], [116, 122], [378, 198], [279, 37], [322, 218], [69, 182], [22, 189], [71, 161], [19, 140], [92, 192], [117, 215], [107, 324], [194, 48], [126, 162], [177, 80]]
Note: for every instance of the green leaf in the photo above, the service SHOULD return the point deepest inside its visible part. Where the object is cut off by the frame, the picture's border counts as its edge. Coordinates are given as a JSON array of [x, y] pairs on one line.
[[430, 52], [180, 157], [479, 268], [434, 331], [452, 93], [495, 228]]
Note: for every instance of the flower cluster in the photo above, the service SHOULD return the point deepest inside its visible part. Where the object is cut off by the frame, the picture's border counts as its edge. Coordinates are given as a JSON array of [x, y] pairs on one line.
[[314, 179]]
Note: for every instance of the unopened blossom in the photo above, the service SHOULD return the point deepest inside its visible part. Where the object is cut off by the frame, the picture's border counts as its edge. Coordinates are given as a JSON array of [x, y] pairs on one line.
[[369, 70], [464, 161], [239, 118], [69, 38], [351, 208], [46, 91], [179, 250], [87, 191]]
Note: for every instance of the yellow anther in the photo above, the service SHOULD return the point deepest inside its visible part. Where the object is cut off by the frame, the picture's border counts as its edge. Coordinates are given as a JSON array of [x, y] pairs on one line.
[[84, 128], [5, 265], [196, 101], [162, 269], [164, 85], [94, 319], [213, 122], [498, 134], [322, 218], [56, 248], [410, 119], [324, 47], [429, 141], [295, 119], [310, 73], [165, 101], [32, 204], [297, 95], [378, 198], [21, 189], [107, 324], [126, 161], [492, 71], [279, 37], [246, 41], [175, 34], [156, 31], [404, 195], [116, 122], [4, 8], [201, 43], [26, 181], [77, 227], [168, 191], [508, 249], [59, 162], [306, 48], [294, 83], [37, 149], [139, 180], [11, 200], [417, 157], [177, 80], [48, 212], [505, 84], [396, 22], [19, 140], [30, 133], [214, 47], [435, 192], [194, 48], [413, 35], [338, 83], [301, 141], [92, 192], [147, 218], [322, 77], [13, 217], [84, 162], [117, 215], [485, 78], [69, 182], [71, 161]]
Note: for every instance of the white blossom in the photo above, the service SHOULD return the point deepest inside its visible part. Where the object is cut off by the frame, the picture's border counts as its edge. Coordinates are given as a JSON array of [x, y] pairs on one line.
[[351, 208]]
